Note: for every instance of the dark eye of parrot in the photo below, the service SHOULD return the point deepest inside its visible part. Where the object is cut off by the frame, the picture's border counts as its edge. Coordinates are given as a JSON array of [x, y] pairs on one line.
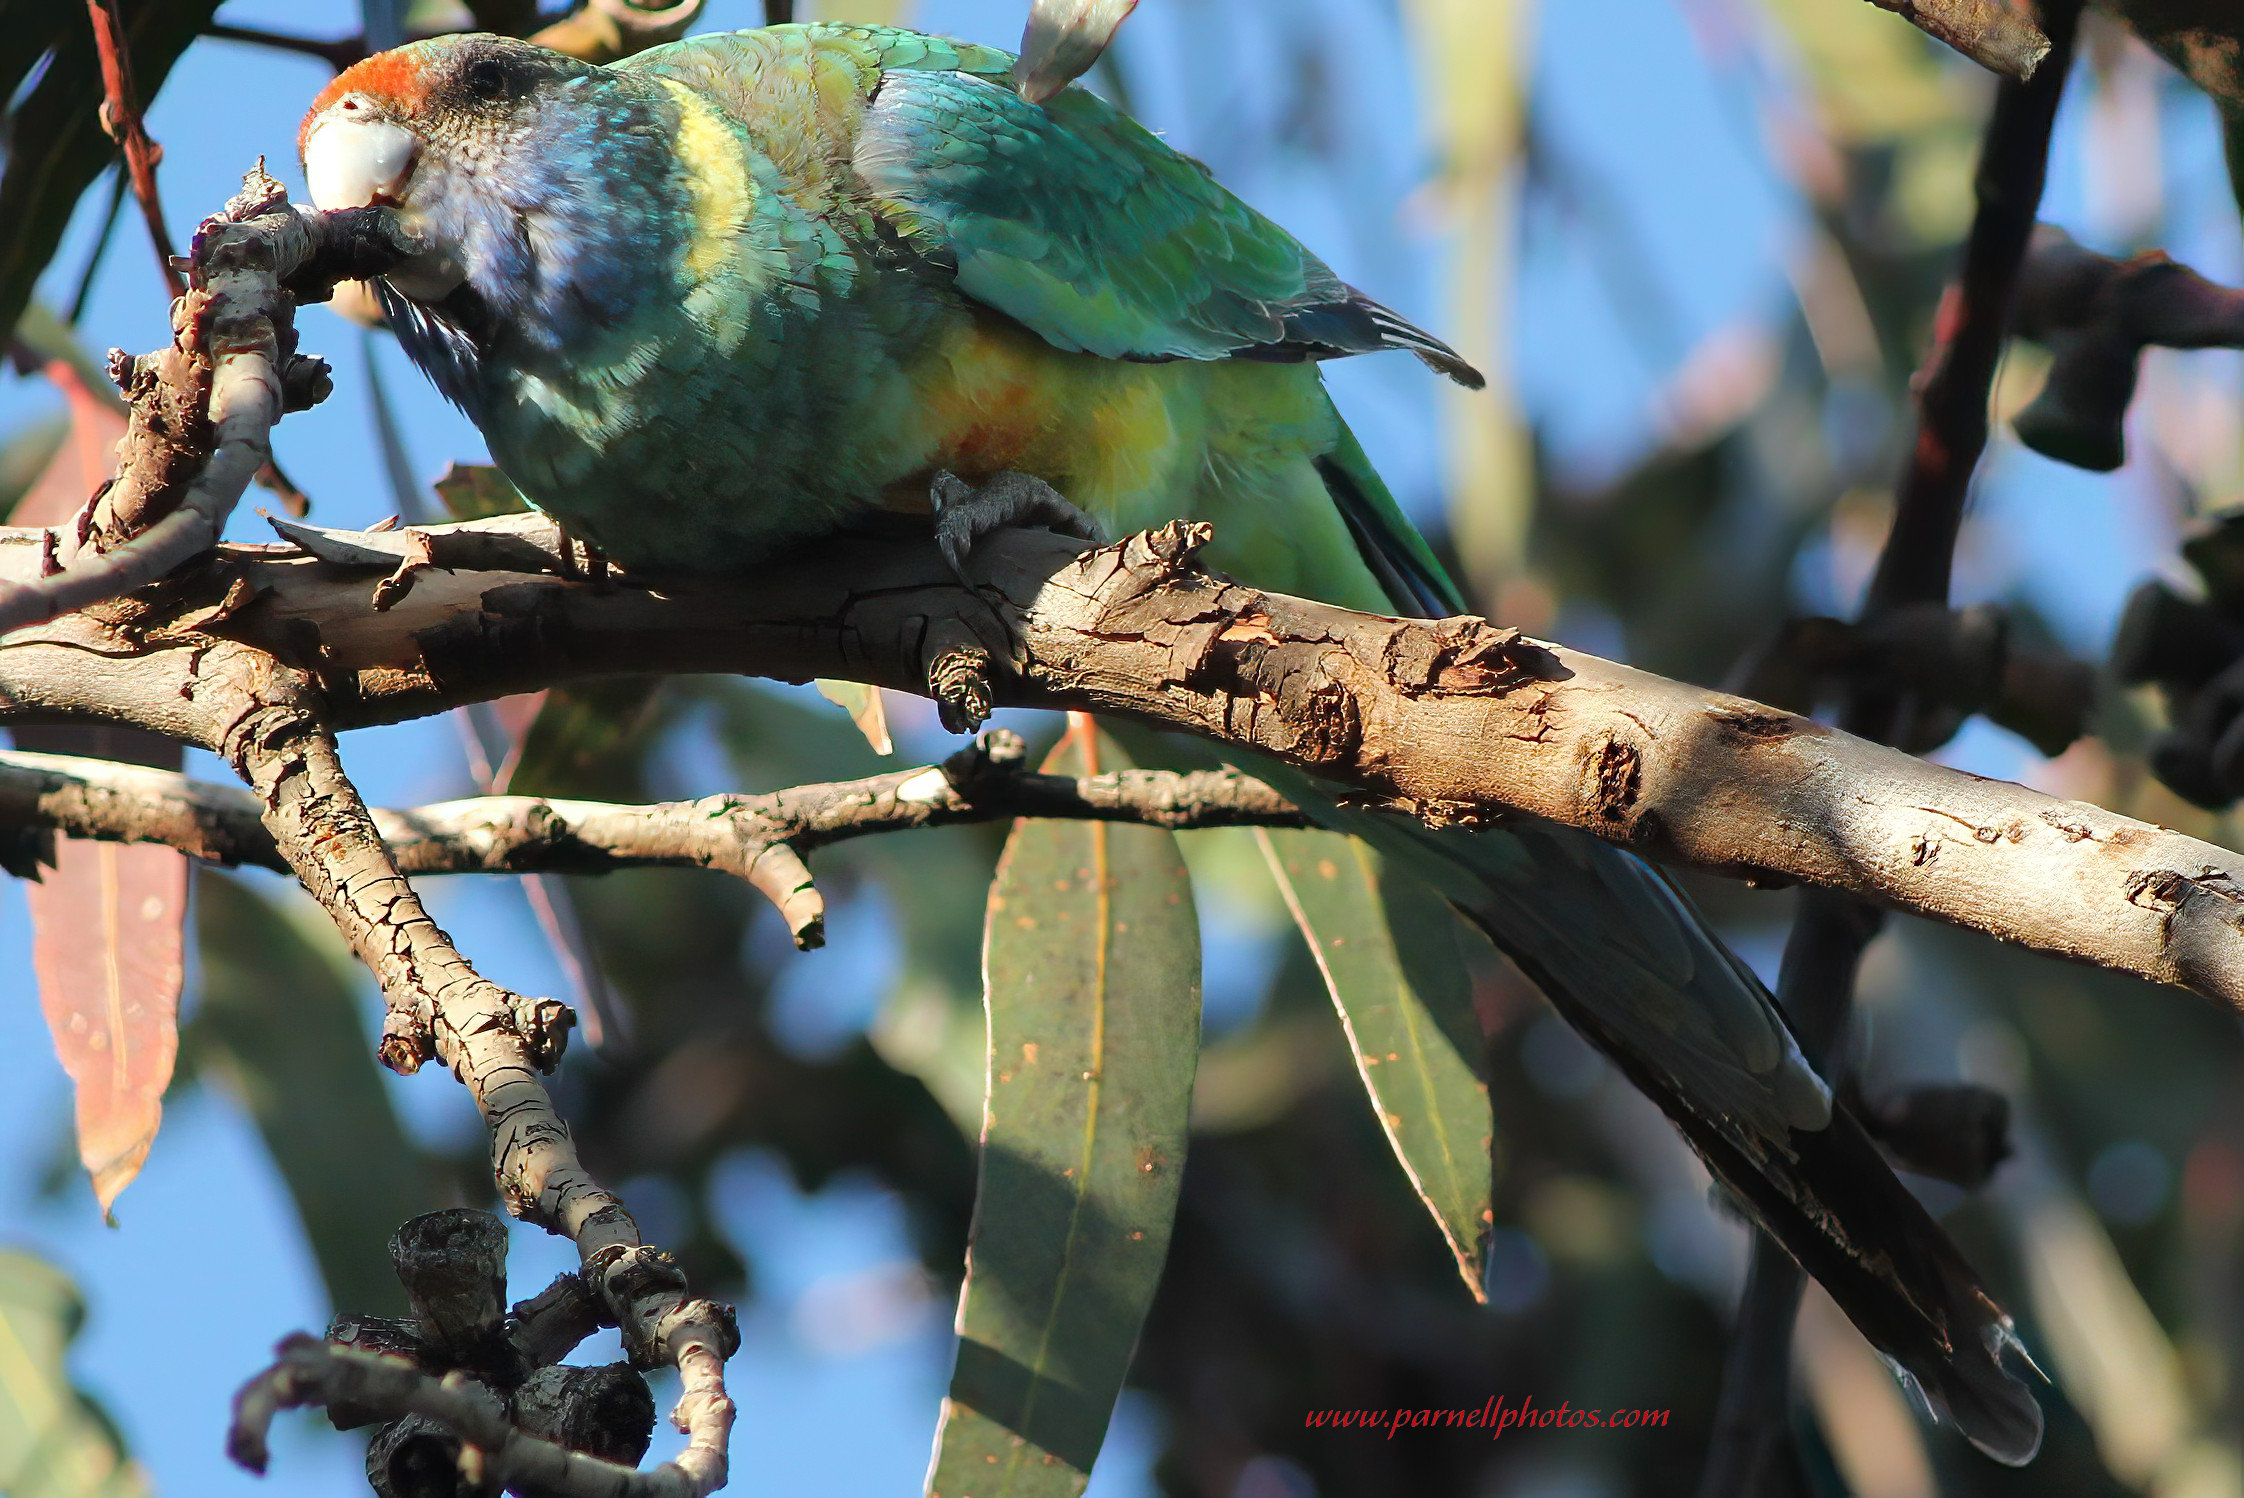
[[487, 80]]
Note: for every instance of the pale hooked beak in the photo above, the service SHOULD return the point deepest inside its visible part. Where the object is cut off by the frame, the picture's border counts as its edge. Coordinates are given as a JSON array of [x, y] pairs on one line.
[[355, 162]]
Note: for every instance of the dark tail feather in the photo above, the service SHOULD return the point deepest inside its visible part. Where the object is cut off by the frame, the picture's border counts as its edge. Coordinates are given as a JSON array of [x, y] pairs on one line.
[[1630, 964], [1355, 324], [1838, 1210], [1396, 332], [1627, 960], [1404, 578]]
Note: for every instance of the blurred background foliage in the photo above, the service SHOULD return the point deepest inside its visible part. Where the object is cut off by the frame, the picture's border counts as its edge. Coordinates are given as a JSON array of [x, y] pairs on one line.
[[1700, 242]]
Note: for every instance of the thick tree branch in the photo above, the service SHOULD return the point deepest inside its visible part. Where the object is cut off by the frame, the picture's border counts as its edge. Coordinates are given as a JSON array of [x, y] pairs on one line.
[[762, 839], [1454, 721], [1953, 663]]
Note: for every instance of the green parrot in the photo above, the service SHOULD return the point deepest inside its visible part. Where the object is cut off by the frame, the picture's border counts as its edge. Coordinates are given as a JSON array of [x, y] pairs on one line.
[[736, 291]]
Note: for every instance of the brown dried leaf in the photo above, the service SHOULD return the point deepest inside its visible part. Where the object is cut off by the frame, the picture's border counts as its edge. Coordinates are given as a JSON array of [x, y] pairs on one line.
[[86, 457], [106, 943], [107, 923]]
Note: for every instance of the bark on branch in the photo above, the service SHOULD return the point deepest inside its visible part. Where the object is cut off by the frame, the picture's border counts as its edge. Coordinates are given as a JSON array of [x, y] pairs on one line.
[[1454, 722], [499, 1455], [272, 724], [763, 839], [1988, 32], [203, 409]]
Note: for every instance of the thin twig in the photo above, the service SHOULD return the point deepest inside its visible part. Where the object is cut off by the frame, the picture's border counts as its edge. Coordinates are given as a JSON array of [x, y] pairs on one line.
[[988, 781], [337, 54], [203, 410], [274, 734], [120, 116], [1830, 931], [507, 1458]]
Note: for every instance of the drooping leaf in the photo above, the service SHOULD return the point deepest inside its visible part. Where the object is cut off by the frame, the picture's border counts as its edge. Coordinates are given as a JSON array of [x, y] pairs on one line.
[[54, 1441], [106, 946], [61, 113], [278, 1022], [865, 707], [107, 920], [52, 339], [1061, 41], [1387, 947], [25, 454], [85, 458], [1092, 978]]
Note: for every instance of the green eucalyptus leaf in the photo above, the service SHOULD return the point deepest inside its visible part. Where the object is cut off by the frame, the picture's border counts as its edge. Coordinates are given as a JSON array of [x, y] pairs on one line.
[[279, 1023], [1387, 947], [54, 1441], [1092, 969]]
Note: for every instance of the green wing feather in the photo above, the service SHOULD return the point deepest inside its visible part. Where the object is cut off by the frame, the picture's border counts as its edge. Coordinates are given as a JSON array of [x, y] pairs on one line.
[[1085, 227]]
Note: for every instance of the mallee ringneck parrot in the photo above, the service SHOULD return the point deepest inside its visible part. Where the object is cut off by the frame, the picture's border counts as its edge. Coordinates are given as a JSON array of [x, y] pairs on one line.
[[735, 291]]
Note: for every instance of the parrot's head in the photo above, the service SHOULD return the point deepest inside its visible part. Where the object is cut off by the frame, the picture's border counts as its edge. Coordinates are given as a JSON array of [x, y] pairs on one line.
[[532, 177]]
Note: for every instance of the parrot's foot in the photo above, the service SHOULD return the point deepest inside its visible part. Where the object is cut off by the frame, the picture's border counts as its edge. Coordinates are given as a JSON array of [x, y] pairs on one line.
[[964, 514], [594, 569]]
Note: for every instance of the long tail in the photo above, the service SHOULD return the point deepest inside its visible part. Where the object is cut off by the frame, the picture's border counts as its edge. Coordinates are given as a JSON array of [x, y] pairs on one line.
[[1631, 964]]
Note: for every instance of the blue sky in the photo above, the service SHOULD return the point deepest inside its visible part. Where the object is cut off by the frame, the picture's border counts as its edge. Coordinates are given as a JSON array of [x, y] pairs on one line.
[[207, 1267]]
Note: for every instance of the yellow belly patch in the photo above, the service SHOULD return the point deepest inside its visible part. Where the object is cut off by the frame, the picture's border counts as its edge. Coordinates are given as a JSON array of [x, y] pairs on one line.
[[996, 398]]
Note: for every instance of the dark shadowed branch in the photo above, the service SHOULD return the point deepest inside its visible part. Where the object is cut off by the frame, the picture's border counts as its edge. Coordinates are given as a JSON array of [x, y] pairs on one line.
[[120, 116], [1829, 934], [469, 1394], [2096, 315], [601, 31]]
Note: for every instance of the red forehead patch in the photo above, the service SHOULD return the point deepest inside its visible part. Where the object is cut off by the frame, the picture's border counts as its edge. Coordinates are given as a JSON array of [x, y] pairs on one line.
[[397, 78]]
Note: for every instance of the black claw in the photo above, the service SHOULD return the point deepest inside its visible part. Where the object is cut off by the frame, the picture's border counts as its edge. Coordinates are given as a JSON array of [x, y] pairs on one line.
[[965, 514]]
